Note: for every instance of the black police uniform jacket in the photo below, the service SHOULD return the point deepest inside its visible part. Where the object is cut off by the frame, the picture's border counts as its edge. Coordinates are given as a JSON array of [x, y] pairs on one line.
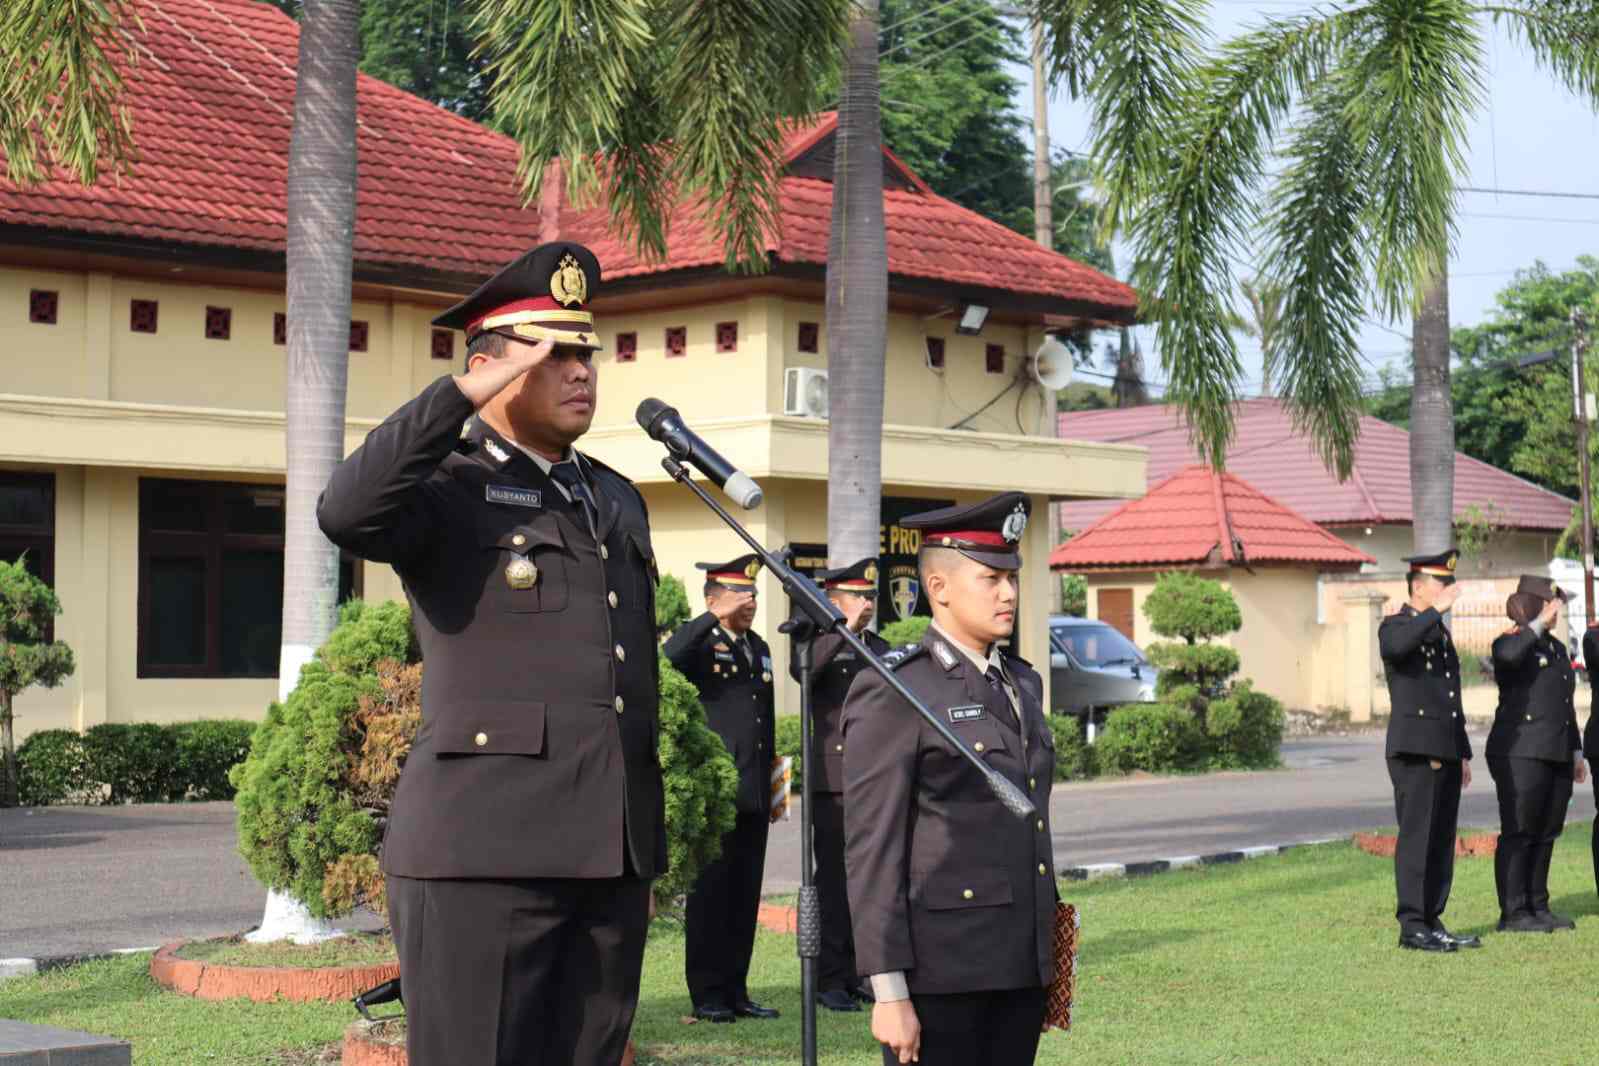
[[1536, 717], [536, 756], [1590, 659], [1423, 669], [834, 665], [944, 882], [737, 695]]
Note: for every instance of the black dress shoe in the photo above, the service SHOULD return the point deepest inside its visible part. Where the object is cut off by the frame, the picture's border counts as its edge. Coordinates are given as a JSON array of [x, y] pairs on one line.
[[1459, 941], [751, 1009], [862, 990], [1555, 921], [838, 999], [720, 1015], [1426, 940], [1524, 923]]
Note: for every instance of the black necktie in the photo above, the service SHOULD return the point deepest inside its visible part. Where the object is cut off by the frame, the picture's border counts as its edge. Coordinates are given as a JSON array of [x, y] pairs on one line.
[[996, 681], [566, 475]]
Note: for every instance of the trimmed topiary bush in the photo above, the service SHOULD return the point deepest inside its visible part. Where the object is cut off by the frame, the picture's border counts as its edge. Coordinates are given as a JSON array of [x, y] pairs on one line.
[[1074, 595], [55, 769], [207, 750], [906, 631], [1075, 758], [1155, 737], [136, 762], [314, 792], [27, 607]]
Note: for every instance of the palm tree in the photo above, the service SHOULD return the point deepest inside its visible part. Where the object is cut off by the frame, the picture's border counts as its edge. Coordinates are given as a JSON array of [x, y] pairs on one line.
[[1365, 109], [857, 305], [1265, 302]]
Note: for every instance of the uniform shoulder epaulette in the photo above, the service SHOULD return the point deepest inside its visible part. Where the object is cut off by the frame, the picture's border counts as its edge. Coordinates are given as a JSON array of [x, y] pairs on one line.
[[898, 657]]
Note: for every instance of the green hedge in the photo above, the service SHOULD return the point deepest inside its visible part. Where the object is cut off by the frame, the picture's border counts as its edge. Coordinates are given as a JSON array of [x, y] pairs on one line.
[[1154, 737], [906, 630], [788, 743], [1075, 758], [133, 763]]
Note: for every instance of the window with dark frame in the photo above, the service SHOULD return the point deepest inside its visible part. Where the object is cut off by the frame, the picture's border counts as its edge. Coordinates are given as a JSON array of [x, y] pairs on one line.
[[358, 332], [443, 344], [627, 347], [43, 305], [809, 337], [280, 328], [727, 337], [676, 341], [994, 358], [218, 323], [211, 579], [142, 316], [27, 525], [935, 352]]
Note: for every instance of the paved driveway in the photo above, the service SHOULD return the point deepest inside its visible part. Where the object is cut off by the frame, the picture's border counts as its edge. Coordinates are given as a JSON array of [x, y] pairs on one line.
[[79, 880]]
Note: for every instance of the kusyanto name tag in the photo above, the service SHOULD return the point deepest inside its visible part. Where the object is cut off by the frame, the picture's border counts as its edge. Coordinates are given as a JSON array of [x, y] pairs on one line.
[[966, 714], [513, 496]]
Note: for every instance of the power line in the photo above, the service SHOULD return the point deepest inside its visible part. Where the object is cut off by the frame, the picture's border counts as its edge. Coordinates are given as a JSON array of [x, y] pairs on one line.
[[935, 31], [1533, 218], [1552, 194], [917, 16]]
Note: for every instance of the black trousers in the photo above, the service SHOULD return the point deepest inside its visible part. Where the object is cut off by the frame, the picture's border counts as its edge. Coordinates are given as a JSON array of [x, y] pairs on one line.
[[721, 913], [1533, 796], [978, 1028], [541, 972], [1593, 777], [835, 968], [1427, 803]]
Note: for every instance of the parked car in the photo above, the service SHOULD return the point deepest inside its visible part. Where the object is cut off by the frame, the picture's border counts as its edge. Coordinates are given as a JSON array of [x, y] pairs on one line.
[[1092, 668]]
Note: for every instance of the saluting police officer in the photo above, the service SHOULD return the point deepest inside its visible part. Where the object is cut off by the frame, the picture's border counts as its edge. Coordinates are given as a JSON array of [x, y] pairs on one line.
[[1590, 732], [527, 823], [953, 896], [1428, 752], [1534, 754], [853, 590], [732, 668]]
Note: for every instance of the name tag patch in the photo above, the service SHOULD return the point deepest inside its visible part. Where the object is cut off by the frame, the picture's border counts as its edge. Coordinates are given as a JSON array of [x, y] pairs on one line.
[[513, 496], [966, 714]]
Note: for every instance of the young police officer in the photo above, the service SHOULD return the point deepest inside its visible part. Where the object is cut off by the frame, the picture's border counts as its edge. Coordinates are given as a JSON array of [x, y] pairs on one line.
[[953, 897], [1429, 755], [528, 821], [732, 668], [853, 590]]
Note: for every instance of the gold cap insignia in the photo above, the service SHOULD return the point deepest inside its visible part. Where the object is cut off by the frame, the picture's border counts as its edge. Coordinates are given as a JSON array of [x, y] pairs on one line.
[[1451, 561], [752, 569], [569, 285], [870, 574]]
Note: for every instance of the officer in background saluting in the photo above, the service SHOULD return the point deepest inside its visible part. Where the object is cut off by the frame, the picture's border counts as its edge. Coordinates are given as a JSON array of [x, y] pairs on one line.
[[527, 823], [1590, 732], [732, 668], [853, 590], [1429, 755], [952, 895]]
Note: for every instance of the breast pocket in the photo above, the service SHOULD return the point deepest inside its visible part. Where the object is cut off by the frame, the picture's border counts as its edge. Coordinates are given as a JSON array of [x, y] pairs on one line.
[[642, 574], [982, 736], [528, 566]]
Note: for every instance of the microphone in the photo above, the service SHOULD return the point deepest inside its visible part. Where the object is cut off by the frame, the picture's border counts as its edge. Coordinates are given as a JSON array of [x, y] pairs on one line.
[[664, 424]]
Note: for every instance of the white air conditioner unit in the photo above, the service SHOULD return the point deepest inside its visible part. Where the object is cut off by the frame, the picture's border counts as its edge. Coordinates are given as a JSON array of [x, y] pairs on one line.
[[805, 392]]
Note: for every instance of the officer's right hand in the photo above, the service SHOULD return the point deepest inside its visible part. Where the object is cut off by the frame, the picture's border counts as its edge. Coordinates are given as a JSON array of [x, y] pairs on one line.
[[729, 604], [1547, 615], [857, 613], [1446, 598], [895, 1024], [488, 377]]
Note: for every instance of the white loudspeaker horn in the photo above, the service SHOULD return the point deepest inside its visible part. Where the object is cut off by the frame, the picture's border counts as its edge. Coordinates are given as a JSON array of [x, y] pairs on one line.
[[1052, 364]]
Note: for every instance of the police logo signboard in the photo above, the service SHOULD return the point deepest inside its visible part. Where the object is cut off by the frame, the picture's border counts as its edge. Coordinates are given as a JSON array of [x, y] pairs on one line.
[[904, 589]]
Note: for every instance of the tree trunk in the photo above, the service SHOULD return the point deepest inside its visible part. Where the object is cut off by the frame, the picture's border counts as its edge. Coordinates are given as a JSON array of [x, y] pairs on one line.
[[10, 785], [857, 305], [1432, 423], [321, 235]]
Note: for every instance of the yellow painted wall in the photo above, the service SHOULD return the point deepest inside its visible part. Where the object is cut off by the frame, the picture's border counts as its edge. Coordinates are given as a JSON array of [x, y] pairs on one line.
[[1508, 553]]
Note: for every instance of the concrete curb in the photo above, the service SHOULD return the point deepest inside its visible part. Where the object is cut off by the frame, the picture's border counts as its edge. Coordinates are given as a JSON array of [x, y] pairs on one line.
[[44, 964], [1101, 870]]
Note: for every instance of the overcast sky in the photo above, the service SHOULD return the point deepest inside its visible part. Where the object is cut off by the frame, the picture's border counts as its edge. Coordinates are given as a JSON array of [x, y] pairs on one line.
[[1529, 135]]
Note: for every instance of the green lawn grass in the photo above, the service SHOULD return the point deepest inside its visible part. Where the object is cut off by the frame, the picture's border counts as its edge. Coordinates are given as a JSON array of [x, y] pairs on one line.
[[360, 949], [1282, 960]]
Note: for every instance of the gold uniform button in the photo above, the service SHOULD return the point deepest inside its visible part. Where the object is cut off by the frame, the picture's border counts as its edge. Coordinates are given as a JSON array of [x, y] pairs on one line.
[[1043, 870], [978, 747], [1040, 825], [1032, 782], [519, 540], [619, 705], [967, 894], [611, 598], [838, 747], [621, 655], [481, 739], [605, 553]]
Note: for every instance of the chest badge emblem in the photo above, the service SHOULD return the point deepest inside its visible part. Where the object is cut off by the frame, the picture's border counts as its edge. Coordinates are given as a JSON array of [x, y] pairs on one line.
[[520, 574]]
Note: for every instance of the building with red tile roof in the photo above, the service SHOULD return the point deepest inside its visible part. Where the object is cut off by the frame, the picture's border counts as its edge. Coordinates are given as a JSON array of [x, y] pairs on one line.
[[1370, 511]]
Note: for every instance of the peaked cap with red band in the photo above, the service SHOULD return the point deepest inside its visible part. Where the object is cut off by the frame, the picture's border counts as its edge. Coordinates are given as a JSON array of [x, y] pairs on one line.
[[1441, 566], [988, 532], [543, 295], [736, 574], [860, 578]]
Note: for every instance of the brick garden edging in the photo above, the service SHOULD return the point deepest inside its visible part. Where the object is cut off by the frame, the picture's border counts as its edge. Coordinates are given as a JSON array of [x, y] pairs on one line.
[[365, 1045], [262, 984], [1383, 845]]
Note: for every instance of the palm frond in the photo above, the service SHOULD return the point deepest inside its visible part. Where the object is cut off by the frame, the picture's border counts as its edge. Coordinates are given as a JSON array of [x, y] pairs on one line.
[[1416, 82], [63, 64], [1315, 265], [1562, 35]]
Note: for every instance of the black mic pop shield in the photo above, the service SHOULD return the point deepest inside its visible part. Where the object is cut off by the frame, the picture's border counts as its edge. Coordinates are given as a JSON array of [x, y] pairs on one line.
[[662, 422]]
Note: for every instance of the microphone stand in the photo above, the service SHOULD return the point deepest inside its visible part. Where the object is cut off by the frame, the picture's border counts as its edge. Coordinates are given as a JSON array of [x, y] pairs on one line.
[[817, 616]]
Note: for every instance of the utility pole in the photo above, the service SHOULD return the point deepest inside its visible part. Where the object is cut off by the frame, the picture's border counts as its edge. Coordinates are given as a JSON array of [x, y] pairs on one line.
[[1044, 234], [1579, 354]]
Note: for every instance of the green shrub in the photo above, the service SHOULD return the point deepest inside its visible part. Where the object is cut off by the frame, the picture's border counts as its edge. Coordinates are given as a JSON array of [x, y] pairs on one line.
[[1191, 607], [1075, 758], [54, 768], [700, 781], [1203, 665], [788, 744], [1153, 737], [1074, 595], [136, 762], [671, 604], [1245, 729], [207, 750], [906, 630], [27, 606]]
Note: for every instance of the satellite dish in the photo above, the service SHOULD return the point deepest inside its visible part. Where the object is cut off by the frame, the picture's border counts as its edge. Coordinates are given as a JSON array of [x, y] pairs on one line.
[[1052, 364]]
